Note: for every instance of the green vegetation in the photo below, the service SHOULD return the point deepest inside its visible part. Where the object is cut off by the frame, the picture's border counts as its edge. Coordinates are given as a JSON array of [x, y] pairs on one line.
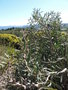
[[10, 39], [14, 31], [42, 61]]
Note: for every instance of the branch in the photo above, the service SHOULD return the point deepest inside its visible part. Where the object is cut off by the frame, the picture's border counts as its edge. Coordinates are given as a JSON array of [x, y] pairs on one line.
[[53, 62], [26, 63], [63, 71], [52, 73], [19, 86]]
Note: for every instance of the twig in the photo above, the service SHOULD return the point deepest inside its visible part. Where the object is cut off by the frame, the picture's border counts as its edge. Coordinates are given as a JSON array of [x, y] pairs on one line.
[[53, 62]]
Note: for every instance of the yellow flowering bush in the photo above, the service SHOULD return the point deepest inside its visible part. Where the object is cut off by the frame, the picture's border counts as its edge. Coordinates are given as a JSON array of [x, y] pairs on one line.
[[9, 39]]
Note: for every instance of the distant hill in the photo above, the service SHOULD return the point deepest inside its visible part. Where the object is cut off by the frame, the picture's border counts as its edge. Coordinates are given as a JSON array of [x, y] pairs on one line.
[[64, 26], [6, 27]]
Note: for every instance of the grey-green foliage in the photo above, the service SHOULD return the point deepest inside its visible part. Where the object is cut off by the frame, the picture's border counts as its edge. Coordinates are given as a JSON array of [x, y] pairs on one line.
[[52, 47], [44, 56], [43, 19]]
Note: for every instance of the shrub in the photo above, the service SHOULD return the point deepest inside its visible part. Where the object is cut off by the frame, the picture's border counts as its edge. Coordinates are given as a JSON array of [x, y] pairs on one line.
[[10, 39]]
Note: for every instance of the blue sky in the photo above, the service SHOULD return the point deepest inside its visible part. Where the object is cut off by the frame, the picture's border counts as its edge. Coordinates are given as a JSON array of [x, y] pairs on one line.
[[17, 12]]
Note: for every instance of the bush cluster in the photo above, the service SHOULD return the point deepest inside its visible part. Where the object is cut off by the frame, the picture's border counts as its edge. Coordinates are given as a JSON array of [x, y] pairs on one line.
[[10, 39]]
